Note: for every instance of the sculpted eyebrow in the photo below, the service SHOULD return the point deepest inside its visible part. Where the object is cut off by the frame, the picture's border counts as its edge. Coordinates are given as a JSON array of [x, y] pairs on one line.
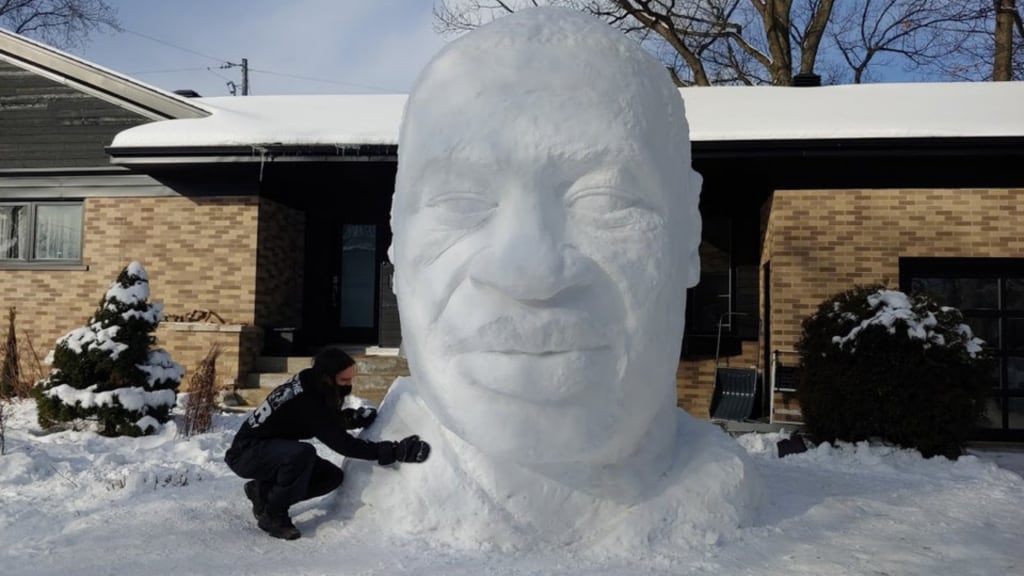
[[627, 177]]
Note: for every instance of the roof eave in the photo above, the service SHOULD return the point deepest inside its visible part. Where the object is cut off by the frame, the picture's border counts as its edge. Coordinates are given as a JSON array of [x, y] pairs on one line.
[[189, 155], [860, 147], [702, 149]]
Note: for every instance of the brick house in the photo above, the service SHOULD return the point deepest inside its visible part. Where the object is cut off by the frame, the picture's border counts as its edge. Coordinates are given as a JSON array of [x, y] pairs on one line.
[[70, 220], [272, 212]]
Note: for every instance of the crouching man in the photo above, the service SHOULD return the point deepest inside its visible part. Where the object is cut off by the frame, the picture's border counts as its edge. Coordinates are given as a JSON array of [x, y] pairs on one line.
[[268, 448]]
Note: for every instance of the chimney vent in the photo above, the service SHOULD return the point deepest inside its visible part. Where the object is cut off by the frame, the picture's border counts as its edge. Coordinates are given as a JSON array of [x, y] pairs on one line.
[[807, 79]]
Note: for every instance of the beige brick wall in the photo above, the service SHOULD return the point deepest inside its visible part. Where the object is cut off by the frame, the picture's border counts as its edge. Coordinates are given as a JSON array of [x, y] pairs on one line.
[[280, 265], [189, 343], [200, 253], [821, 242]]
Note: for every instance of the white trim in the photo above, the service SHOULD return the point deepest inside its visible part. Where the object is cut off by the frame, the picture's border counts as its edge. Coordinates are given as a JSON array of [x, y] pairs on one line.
[[719, 113]]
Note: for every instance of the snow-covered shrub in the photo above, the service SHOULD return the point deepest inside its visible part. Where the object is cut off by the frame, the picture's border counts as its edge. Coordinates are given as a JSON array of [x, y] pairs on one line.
[[10, 370], [882, 364], [109, 370]]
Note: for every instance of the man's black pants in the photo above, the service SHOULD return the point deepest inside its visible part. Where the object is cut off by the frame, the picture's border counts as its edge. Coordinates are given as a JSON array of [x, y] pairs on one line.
[[288, 471]]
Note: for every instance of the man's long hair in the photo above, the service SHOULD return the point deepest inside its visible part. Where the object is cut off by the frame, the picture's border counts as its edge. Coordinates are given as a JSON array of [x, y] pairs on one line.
[[326, 365]]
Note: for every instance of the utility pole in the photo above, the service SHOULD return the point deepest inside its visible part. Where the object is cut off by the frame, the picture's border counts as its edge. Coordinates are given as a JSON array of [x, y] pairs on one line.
[[245, 76]]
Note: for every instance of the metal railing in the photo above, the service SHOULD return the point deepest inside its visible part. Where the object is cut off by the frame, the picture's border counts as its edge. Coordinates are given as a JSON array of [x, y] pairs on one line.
[[784, 377]]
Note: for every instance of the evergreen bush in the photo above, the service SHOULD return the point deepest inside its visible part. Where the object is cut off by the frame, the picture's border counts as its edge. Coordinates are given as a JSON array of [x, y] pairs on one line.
[[881, 364], [109, 370]]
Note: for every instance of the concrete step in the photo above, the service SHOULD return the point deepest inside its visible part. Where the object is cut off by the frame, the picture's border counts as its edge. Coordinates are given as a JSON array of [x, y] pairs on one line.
[[371, 381], [289, 364], [372, 389], [374, 376]]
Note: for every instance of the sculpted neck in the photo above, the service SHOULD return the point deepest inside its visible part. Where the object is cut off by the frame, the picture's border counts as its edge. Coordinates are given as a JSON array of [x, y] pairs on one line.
[[630, 479], [625, 480]]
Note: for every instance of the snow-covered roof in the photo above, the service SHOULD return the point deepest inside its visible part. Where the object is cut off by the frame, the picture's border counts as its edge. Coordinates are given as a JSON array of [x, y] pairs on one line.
[[721, 113], [104, 83], [287, 120]]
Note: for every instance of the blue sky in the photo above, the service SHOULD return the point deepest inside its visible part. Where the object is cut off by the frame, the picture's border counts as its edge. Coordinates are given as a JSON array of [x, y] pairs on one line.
[[292, 46]]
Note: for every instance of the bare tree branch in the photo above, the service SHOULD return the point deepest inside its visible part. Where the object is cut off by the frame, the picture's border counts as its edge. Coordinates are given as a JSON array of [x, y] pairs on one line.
[[61, 23], [761, 41]]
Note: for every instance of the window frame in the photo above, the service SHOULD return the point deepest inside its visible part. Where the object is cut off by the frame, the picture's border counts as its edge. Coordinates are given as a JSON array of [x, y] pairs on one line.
[[1000, 270], [27, 259]]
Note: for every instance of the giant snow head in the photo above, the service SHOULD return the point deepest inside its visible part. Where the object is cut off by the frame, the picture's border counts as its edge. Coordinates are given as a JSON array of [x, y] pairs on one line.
[[545, 231]]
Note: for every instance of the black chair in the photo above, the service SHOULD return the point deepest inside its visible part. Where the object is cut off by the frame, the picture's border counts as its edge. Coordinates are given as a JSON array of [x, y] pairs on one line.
[[735, 394]]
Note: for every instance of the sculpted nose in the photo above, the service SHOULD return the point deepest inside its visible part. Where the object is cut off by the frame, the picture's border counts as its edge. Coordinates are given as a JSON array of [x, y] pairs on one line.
[[528, 258]]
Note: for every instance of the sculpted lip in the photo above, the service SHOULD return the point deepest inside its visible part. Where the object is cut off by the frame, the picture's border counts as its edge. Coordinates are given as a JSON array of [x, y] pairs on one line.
[[554, 334], [516, 352]]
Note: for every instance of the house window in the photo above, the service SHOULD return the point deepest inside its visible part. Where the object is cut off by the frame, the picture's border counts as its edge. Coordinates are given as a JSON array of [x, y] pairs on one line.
[[40, 232], [710, 301], [990, 294], [721, 310]]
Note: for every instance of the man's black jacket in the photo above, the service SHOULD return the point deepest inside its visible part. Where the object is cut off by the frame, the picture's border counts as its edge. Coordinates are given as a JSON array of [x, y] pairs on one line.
[[301, 409]]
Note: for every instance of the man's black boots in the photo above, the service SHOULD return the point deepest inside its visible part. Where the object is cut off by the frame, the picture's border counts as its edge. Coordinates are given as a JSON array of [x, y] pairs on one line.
[[256, 492], [278, 525]]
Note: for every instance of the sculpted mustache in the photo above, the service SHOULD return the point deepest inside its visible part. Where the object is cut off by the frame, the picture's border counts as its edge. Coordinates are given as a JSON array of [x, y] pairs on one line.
[[526, 334]]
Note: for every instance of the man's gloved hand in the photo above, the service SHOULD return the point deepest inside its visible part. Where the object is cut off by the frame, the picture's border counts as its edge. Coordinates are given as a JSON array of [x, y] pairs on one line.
[[409, 449], [412, 449], [358, 417]]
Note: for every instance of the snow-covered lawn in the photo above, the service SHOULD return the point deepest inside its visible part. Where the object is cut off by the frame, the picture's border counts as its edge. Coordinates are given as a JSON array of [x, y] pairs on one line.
[[75, 503]]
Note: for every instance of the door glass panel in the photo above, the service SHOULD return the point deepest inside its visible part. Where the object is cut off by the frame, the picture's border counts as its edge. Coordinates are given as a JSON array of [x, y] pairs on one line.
[[1015, 373], [993, 377], [1014, 294], [358, 275], [993, 417], [1017, 413], [960, 293], [985, 328], [1013, 341]]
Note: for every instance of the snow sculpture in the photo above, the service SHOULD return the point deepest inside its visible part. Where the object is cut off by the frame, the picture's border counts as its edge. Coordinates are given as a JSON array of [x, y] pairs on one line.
[[546, 228]]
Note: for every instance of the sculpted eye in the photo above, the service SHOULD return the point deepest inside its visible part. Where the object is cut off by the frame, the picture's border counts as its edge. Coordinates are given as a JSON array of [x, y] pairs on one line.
[[460, 208], [609, 208]]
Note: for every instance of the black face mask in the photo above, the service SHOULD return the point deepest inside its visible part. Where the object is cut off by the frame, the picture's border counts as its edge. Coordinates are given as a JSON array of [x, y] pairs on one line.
[[345, 390]]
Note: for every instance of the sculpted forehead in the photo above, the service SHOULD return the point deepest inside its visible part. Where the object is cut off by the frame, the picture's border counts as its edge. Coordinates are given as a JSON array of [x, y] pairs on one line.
[[536, 100], [558, 81]]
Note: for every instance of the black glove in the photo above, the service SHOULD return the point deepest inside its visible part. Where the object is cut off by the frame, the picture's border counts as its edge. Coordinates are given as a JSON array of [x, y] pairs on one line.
[[409, 449], [412, 449], [360, 417]]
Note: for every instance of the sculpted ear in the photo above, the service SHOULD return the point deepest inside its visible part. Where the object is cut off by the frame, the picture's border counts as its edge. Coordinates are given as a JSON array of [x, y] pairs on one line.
[[694, 223]]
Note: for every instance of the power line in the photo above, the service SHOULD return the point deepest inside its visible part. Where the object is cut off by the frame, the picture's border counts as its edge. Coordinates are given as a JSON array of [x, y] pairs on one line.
[[225, 63], [166, 43], [311, 79], [167, 71]]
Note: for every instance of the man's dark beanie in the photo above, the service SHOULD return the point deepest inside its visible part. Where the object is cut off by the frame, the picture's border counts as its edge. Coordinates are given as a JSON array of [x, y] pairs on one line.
[[329, 361]]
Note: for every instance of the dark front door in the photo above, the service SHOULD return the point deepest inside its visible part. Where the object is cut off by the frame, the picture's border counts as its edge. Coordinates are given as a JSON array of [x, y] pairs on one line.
[[347, 236]]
